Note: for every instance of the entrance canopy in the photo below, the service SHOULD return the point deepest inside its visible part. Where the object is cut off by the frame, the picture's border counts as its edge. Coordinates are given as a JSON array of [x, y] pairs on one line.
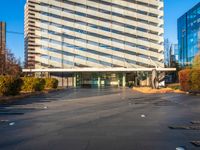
[[76, 70]]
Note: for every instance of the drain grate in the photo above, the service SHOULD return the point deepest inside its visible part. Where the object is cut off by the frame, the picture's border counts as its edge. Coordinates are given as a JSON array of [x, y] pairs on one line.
[[196, 143]]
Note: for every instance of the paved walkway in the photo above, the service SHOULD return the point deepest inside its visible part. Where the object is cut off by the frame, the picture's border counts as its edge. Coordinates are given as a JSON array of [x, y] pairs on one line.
[[99, 119]]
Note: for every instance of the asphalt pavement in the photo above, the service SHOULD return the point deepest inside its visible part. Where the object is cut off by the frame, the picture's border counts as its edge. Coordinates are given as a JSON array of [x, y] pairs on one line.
[[100, 119]]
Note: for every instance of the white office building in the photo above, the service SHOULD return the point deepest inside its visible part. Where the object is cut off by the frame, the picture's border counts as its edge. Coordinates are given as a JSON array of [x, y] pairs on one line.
[[94, 41]]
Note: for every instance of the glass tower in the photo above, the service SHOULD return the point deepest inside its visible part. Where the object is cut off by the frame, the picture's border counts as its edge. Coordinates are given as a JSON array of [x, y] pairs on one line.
[[189, 35]]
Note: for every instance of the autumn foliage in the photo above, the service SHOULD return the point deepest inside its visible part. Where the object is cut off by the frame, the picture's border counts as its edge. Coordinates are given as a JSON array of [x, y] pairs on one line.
[[51, 83], [10, 85], [190, 79], [195, 79], [196, 62], [184, 79]]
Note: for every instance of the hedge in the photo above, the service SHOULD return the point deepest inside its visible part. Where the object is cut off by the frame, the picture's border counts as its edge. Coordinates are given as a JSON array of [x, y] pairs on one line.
[[195, 79], [190, 79], [10, 85], [31, 84], [51, 83], [184, 79]]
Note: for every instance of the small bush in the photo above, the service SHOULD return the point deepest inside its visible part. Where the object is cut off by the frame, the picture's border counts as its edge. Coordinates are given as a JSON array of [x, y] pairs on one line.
[[184, 79], [10, 85], [51, 83], [31, 84], [196, 62], [195, 79], [190, 79]]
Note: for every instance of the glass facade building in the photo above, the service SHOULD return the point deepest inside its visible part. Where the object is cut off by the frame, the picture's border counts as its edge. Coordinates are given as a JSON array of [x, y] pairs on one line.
[[189, 35], [167, 45]]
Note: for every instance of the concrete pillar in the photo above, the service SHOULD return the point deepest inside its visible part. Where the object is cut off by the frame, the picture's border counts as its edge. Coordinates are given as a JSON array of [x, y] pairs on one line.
[[62, 80], [124, 80], [99, 80], [74, 80], [67, 82]]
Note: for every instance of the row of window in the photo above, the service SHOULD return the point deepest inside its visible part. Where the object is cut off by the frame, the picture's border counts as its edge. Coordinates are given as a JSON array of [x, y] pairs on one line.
[[108, 12], [96, 52], [93, 51], [130, 62], [106, 28], [72, 55], [93, 42], [142, 3], [95, 34], [98, 17]]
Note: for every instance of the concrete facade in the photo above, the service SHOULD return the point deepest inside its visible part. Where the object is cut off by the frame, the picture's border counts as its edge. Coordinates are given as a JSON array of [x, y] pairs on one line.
[[65, 34]]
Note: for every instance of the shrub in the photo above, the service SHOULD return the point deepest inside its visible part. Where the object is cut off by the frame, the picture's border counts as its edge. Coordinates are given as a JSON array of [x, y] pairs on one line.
[[184, 79], [196, 61], [51, 83], [195, 79], [31, 84], [10, 85]]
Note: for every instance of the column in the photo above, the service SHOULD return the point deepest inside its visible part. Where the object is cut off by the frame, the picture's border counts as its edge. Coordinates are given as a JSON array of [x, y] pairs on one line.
[[118, 79], [124, 80], [62, 80], [74, 80], [99, 80]]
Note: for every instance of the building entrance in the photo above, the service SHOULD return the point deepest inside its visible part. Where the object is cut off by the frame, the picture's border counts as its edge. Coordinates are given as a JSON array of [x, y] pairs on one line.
[[99, 79]]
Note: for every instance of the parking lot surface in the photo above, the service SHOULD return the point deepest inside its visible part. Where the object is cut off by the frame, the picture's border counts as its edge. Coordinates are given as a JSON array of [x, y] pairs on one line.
[[100, 119]]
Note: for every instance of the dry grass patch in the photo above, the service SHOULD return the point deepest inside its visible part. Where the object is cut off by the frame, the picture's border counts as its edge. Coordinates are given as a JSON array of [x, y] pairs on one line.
[[148, 90]]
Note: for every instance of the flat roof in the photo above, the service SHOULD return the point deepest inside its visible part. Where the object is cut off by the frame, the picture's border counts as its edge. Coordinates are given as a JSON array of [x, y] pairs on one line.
[[74, 70]]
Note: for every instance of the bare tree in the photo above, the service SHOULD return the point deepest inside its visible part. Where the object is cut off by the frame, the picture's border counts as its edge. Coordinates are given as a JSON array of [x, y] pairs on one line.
[[2, 62], [12, 64]]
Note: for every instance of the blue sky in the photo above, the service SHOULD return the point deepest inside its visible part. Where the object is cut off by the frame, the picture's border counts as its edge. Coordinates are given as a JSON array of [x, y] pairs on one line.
[[12, 12]]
